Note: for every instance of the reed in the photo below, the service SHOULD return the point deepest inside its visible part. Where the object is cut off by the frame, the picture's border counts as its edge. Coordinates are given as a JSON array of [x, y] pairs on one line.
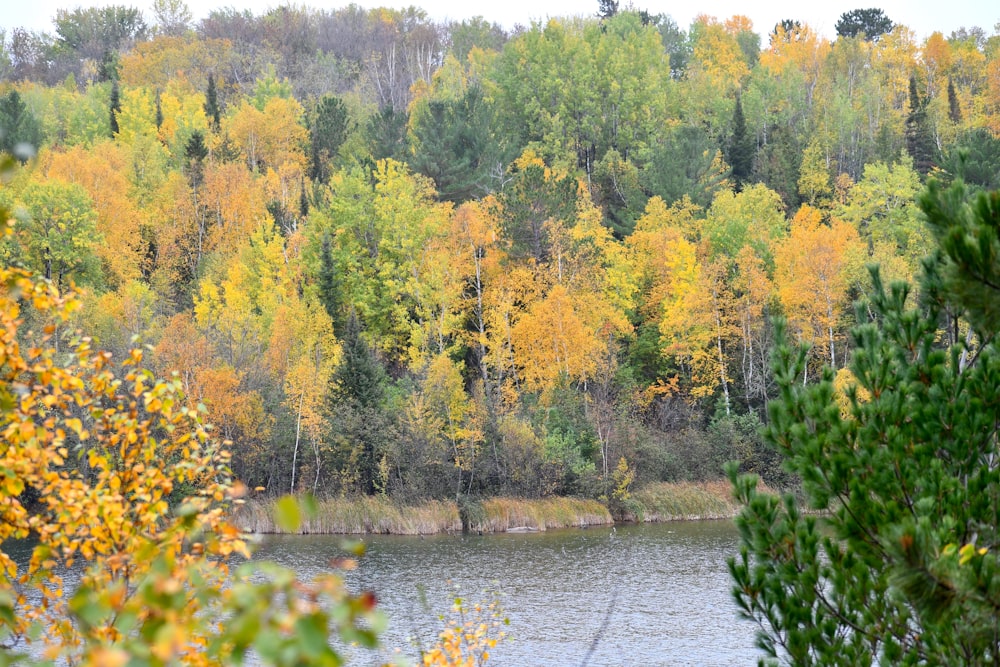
[[366, 515], [683, 501], [357, 516], [377, 514], [506, 514]]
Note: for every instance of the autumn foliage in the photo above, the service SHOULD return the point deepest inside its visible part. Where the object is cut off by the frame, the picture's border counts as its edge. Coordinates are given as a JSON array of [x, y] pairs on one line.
[[111, 474], [396, 257]]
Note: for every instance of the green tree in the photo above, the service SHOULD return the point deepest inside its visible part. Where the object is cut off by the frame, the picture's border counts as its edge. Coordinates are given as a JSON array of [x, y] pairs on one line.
[[900, 565], [869, 24], [686, 161], [975, 158], [99, 34], [212, 109], [919, 134], [114, 107], [386, 134], [327, 132], [60, 232], [741, 148], [954, 107], [454, 145], [20, 132]]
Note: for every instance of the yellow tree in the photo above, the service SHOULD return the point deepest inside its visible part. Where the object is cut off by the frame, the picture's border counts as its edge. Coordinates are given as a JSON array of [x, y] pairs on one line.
[[232, 206], [475, 254], [690, 324], [313, 354], [753, 291], [269, 137], [101, 171], [133, 491], [458, 419], [811, 271]]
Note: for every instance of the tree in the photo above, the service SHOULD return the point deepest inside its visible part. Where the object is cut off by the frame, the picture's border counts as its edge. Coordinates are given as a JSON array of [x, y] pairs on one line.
[[870, 24], [607, 8], [975, 158], [386, 134], [115, 107], [811, 270], [954, 106], [60, 232], [173, 17], [899, 566], [741, 148], [141, 504], [453, 145], [212, 109], [327, 132], [919, 135], [99, 34], [20, 132]]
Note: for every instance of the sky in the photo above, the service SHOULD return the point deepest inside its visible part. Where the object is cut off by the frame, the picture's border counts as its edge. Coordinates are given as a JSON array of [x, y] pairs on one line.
[[922, 16]]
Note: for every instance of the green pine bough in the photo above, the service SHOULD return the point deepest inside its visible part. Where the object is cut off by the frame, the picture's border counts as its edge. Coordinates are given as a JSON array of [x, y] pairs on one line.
[[898, 560]]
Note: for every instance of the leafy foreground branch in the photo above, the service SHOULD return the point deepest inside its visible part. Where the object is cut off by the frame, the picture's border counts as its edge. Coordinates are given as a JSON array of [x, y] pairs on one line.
[[118, 473], [903, 566]]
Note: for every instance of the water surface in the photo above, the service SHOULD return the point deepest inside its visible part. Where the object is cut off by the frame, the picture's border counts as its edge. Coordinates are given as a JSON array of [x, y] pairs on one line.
[[635, 595]]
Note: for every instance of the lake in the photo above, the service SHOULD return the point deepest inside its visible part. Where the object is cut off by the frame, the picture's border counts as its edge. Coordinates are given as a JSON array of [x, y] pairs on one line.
[[655, 594]]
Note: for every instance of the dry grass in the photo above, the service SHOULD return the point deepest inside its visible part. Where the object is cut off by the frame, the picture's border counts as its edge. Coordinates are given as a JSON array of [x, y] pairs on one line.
[[684, 501], [357, 516], [504, 514], [365, 515]]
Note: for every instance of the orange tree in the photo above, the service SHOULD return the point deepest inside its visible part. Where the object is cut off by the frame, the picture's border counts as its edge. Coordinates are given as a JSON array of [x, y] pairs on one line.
[[105, 466]]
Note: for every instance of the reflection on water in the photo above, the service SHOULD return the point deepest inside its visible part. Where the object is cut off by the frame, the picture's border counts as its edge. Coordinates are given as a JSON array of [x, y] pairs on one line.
[[636, 595]]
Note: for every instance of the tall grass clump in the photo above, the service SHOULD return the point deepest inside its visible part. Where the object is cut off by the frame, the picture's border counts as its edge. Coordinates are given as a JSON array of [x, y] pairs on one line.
[[682, 501], [505, 514], [357, 516]]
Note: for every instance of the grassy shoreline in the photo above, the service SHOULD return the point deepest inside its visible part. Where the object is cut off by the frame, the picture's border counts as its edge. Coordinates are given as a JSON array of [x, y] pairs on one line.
[[684, 501]]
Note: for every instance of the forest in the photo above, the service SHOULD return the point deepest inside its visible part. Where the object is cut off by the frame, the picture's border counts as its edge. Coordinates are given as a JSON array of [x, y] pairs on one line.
[[396, 257]]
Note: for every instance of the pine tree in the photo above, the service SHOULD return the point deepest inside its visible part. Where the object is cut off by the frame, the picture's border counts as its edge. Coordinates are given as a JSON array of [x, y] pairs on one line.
[[328, 131], [115, 105], [303, 200], [195, 152], [159, 111], [212, 104], [919, 137], [741, 148], [954, 109], [899, 566]]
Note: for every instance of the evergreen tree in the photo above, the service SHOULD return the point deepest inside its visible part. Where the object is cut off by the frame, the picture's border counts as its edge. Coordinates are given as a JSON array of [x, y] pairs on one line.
[[115, 105], [327, 133], [386, 134], [358, 418], [954, 109], [870, 24], [741, 148], [899, 566], [303, 200], [329, 285], [454, 146], [975, 158], [195, 152], [20, 132], [686, 162], [919, 137], [607, 8], [159, 111], [212, 104]]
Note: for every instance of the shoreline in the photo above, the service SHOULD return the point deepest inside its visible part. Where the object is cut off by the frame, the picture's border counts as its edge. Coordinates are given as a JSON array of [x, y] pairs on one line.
[[367, 515]]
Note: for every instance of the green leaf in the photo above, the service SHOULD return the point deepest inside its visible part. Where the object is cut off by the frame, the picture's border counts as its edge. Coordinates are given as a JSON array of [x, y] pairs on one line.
[[288, 515]]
